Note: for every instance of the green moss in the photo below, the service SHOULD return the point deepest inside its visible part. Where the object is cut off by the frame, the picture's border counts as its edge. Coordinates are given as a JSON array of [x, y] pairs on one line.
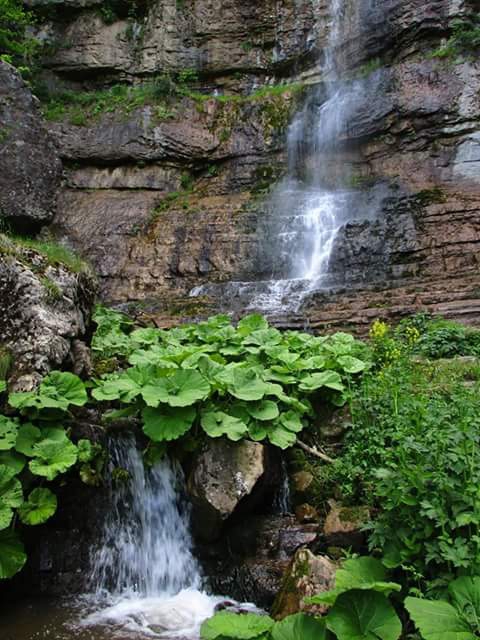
[[54, 253], [53, 293], [430, 196], [465, 39]]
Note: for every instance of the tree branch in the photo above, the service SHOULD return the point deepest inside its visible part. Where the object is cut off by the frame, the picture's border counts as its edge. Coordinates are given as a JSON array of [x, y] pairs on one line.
[[315, 452]]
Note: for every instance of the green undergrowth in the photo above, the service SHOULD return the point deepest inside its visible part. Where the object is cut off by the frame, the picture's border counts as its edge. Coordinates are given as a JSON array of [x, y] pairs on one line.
[[163, 93], [365, 604], [411, 451], [54, 252], [464, 41]]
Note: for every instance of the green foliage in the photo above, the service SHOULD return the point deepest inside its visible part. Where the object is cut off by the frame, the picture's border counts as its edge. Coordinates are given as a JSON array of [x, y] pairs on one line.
[[411, 452], [49, 452], [458, 619], [465, 39], [363, 615], [15, 46], [366, 574], [359, 612], [250, 381], [54, 253], [40, 506], [12, 554]]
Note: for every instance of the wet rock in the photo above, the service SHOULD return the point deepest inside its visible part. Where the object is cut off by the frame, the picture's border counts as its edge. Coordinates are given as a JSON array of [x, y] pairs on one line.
[[44, 309], [30, 169], [306, 576], [302, 481], [306, 513], [343, 526], [222, 477], [251, 558]]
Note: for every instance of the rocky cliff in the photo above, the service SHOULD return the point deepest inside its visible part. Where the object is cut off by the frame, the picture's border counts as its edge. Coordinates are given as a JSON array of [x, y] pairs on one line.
[[170, 118]]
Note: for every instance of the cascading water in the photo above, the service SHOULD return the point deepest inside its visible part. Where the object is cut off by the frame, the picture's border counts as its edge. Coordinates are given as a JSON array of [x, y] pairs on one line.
[[145, 578], [315, 200]]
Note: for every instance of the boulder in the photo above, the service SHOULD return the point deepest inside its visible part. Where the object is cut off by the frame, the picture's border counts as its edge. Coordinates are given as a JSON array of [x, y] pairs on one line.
[[222, 477], [44, 312], [306, 576], [343, 526], [30, 169]]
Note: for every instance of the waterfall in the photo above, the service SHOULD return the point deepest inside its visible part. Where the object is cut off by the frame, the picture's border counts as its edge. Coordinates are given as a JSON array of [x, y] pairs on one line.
[[145, 547], [145, 578], [317, 198]]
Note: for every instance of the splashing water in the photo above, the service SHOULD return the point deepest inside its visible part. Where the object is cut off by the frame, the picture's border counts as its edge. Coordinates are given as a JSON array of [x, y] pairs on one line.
[[145, 577]]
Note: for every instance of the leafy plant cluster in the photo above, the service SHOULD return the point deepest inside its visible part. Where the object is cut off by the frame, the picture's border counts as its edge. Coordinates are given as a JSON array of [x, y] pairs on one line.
[[465, 38], [364, 605], [35, 449], [412, 453], [15, 45], [250, 381]]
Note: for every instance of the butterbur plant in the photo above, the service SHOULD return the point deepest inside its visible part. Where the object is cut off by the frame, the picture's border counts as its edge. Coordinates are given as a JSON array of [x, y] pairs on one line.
[[35, 449], [249, 381]]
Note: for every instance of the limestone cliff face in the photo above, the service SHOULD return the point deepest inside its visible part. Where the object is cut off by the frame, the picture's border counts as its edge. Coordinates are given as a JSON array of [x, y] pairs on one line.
[[163, 201]]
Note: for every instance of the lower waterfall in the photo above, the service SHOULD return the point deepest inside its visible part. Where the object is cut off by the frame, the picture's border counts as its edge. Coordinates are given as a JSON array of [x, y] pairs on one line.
[[145, 577]]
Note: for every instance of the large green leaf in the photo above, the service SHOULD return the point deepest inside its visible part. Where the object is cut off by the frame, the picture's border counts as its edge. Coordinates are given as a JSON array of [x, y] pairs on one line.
[[363, 615], [246, 384], [281, 437], [3, 386], [465, 596], [263, 410], [8, 433], [246, 626], [218, 423], [58, 390], [438, 620], [365, 573], [329, 379], [12, 554], [166, 423], [40, 506], [181, 389], [52, 458], [11, 495], [251, 323], [351, 365], [291, 421], [14, 460], [127, 386], [300, 627], [28, 436]]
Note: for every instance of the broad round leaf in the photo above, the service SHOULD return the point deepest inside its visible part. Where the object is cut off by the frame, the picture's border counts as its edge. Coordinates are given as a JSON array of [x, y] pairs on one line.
[[13, 460], [12, 554], [11, 495], [300, 627], [438, 620], [351, 365], [166, 423], [58, 390], [218, 423], [53, 458], [281, 437], [363, 615], [247, 385], [28, 435], [8, 433], [40, 506], [181, 389], [465, 595], [263, 410], [291, 421], [244, 626], [329, 379]]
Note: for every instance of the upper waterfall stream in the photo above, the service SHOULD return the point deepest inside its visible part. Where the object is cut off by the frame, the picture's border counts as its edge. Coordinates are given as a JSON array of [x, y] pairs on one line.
[[318, 197]]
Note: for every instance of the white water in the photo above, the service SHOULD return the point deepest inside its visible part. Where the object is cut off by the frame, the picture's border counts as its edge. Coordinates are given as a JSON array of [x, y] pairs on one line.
[[311, 206], [145, 578]]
